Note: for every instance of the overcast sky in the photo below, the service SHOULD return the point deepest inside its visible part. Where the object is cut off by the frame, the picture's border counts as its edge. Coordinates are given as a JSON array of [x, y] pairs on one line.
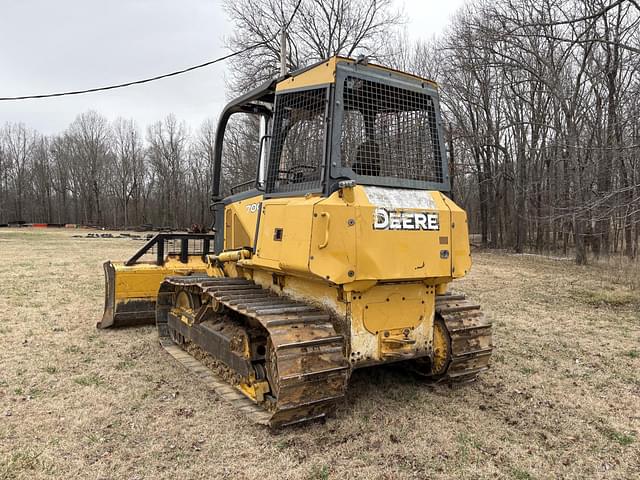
[[49, 46]]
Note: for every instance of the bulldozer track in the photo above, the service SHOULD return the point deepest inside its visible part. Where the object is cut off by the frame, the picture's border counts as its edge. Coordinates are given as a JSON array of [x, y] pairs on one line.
[[307, 354], [470, 338]]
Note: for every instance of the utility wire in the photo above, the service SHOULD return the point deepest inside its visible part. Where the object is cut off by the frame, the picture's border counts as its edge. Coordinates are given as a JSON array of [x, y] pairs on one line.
[[135, 82], [295, 10], [157, 77]]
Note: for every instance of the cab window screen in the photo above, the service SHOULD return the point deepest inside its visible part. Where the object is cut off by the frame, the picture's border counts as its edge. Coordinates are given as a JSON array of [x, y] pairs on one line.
[[298, 141], [389, 132]]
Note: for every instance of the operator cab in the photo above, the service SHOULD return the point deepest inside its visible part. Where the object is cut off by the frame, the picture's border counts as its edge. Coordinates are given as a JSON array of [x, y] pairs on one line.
[[342, 119]]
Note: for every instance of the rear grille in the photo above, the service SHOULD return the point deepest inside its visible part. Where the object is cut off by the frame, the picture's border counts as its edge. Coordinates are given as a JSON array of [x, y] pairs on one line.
[[390, 132]]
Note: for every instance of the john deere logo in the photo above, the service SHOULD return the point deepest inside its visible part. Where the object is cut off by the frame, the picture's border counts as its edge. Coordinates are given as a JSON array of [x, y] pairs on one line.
[[396, 220]]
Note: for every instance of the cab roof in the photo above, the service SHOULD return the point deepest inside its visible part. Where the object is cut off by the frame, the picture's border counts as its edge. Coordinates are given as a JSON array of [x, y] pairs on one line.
[[324, 72]]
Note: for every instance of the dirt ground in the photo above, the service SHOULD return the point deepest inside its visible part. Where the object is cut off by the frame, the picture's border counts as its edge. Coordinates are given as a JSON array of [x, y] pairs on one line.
[[562, 399]]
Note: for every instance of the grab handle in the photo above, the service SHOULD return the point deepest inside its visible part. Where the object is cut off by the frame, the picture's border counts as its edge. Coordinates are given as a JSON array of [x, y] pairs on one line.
[[326, 231]]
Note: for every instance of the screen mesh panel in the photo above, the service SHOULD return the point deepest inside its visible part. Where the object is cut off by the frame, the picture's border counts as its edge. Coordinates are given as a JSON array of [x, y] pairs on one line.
[[389, 132], [298, 141]]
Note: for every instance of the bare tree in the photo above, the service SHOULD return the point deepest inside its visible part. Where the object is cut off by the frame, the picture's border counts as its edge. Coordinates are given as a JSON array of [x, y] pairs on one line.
[[126, 170], [42, 187], [167, 155], [60, 176], [201, 157], [89, 138], [319, 30], [18, 145], [4, 183]]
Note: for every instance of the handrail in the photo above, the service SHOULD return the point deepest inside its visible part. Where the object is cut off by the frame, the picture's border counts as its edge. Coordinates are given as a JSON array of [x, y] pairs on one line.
[[236, 187], [160, 240]]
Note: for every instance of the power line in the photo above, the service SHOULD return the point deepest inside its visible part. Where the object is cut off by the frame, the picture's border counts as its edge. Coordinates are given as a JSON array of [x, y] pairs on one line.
[[295, 10], [135, 82], [157, 77]]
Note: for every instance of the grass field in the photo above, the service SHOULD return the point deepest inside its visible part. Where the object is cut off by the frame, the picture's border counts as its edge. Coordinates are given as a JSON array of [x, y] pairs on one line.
[[562, 399]]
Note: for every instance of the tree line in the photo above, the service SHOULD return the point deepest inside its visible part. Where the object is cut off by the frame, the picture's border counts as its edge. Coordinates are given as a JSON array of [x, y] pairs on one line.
[[540, 105], [541, 100], [105, 173]]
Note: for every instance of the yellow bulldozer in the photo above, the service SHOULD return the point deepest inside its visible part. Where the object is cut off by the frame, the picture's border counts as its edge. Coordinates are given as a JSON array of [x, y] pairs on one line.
[[337, 256]]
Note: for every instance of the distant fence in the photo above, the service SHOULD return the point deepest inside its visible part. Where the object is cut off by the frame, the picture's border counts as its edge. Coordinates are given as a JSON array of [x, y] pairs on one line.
[[40, 225]]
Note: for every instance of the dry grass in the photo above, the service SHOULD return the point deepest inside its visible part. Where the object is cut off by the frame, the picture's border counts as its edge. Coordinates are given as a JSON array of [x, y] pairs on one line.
[[561, 401]]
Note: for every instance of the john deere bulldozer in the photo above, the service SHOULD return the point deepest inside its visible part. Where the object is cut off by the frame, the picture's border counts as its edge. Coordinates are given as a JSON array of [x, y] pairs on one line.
[[339, 255]]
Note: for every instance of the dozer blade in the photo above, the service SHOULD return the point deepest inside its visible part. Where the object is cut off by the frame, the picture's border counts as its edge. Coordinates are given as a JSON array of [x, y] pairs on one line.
[[121, 309], [131, 291], [131, 288]]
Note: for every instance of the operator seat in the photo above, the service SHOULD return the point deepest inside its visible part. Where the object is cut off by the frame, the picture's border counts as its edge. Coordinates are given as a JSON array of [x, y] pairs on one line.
[[367, 159]]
